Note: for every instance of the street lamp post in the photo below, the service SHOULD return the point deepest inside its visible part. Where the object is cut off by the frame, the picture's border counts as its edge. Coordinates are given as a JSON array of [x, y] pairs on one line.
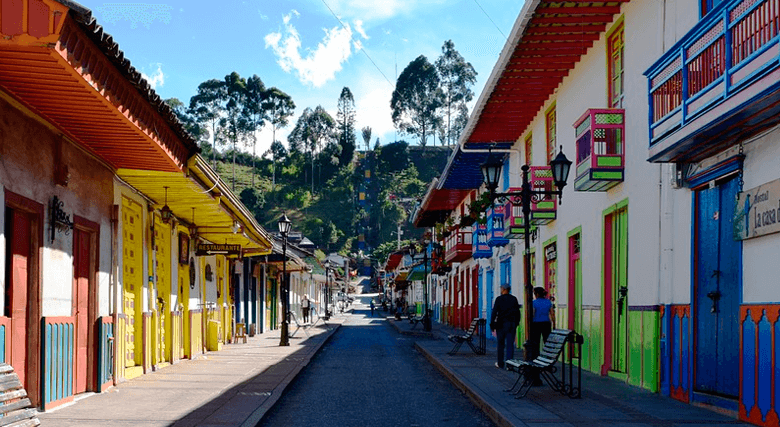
[[426, 315], [491, 171], [284, 228]]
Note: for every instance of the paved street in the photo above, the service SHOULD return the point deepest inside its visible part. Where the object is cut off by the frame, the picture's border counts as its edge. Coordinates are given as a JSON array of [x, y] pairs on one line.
[[369, 374]]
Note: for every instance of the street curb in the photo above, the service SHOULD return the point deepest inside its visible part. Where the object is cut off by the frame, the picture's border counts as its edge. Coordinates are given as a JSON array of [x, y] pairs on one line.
[[258, 414], [402, 331], [494, 414]]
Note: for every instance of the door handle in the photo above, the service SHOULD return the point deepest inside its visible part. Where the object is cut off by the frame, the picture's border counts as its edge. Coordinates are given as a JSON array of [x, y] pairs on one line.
[[715, 273], [715, 297]]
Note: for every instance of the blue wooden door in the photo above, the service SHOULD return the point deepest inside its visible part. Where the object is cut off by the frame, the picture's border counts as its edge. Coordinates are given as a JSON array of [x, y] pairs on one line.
[[717, 291], [481, 289]]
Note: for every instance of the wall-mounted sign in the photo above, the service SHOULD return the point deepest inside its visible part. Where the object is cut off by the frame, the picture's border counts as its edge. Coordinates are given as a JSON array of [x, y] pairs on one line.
[[551, 252], [757, 211], [217, 249]]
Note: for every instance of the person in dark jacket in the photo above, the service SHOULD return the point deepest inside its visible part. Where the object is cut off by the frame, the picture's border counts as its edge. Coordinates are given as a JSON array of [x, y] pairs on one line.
[[503, 321]]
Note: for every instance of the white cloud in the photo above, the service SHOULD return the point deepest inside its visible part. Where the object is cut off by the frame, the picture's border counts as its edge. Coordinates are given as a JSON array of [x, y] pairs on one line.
[[359, 29], [319, 65], [372, 103], [157, 78]]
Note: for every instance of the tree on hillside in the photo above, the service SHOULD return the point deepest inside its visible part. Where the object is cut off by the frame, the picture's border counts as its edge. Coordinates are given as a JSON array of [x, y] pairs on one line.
[[416, 99], [255, 112], [187, 120], [207, 107], [234, 123], [279, 107], [393, 157], [457, 78], [345, 116], [313, 129], [366, 132]]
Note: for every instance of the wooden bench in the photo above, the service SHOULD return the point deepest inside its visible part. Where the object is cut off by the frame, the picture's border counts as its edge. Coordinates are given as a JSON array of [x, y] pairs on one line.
[[16, 409], [477, 327], [543, 366], [414, 319]]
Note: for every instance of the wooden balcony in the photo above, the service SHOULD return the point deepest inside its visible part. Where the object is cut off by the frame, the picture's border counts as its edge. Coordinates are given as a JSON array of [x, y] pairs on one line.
[[600, 135], [718, 85], [495, 226], [479, 242], [458, 245], [544, 210], [513, 220]]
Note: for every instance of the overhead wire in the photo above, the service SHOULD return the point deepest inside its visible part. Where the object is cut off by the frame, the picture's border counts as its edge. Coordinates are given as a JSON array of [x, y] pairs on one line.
[[489, 18]]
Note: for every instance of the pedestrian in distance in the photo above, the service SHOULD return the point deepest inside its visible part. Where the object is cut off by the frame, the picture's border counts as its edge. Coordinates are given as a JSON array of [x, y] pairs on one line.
[[372, 307], [503, 322], [305, 305]]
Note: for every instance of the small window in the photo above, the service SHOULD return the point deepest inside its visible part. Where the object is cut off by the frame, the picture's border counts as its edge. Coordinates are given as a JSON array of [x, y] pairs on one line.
[[529, 142], [550, 121], [505, 171], [615, 46]]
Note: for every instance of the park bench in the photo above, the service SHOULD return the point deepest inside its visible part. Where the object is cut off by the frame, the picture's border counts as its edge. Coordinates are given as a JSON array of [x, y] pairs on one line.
[[477, 327], [16, 410], [414, 319], [543, 366]]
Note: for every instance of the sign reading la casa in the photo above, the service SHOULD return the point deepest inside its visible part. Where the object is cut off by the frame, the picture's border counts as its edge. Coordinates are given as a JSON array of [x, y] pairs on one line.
[[217, 249], [758, 211]]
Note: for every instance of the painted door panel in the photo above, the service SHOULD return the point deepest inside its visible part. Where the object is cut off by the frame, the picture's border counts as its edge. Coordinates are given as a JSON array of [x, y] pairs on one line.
[[717, 291], [616, 290], [162, 265], [82, 252], [132, 234], [489, 293], [20, 260]]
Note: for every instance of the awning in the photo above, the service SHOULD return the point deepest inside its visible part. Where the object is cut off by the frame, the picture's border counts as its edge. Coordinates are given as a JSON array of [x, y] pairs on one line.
[[57, 61], [418, 272], [200, 197]]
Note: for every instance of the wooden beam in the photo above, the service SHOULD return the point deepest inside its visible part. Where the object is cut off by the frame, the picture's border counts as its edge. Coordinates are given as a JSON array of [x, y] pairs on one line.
[[567, 29], [611, 10], [590, 19], [545, 59], [562, 37]]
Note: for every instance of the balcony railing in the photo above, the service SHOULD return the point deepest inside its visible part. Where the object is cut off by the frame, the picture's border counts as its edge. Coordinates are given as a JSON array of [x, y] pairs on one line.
[[600, 137], [495, 226], [479, 241], [458, 245], [727, 59], [543, 210]]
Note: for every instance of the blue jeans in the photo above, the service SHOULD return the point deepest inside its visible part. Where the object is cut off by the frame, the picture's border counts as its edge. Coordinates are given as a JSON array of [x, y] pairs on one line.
[[506, 342]]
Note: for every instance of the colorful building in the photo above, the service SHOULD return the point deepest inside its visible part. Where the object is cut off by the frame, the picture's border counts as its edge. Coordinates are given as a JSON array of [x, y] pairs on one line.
[[120, 243], [660, 250]]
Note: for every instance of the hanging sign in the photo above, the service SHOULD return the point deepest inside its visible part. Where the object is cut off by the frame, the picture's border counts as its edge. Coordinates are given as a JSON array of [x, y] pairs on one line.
[[217, 249], [757, 212], [550, 252]]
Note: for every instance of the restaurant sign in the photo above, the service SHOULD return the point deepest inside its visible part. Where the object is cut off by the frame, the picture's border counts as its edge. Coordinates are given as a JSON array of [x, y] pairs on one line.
[[217, 249], [757, 211]]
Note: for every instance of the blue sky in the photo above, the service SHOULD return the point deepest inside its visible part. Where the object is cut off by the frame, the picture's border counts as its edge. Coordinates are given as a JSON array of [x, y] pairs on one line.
[[300, 47]]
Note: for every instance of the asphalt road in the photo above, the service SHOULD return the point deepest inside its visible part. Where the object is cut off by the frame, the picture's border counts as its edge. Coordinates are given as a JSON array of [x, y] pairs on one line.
[[369, 375]]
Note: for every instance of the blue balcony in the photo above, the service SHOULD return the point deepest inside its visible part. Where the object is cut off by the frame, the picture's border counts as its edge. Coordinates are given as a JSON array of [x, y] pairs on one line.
[[718, 85], [479, 241], [495, 226]]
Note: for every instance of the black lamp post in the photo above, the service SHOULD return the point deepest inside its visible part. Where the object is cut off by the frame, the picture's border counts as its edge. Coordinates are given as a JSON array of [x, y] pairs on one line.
[[491, 171], [328, 269], [284, 228], [426, 314]]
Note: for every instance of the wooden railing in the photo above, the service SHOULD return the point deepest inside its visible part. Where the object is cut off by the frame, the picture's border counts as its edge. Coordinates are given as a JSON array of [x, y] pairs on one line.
[[731, 47]]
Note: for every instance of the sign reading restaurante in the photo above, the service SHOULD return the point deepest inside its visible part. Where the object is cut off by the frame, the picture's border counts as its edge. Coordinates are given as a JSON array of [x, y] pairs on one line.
[[758, 211], [217, 249]]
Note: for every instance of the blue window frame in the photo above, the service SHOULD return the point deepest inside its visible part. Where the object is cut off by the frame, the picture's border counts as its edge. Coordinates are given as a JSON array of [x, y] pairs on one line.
[[506, 271], [506, 174], [707, 5]]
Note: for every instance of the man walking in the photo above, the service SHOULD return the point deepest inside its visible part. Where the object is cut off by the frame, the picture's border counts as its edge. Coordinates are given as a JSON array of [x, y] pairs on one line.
[[305, 304], [503, 321]]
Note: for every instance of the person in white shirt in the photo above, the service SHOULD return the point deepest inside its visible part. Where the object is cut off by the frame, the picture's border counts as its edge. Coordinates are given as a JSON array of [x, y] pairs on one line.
[[305, 305]]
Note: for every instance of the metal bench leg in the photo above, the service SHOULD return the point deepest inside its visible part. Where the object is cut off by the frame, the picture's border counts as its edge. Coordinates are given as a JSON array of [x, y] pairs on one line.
[[473, 347], [517, 381], [525, 387], [455, 348]]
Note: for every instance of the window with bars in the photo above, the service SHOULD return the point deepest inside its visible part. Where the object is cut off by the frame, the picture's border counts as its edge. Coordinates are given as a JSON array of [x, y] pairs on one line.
[[708, 5], [615, 45], [529, 146], [550, 122]]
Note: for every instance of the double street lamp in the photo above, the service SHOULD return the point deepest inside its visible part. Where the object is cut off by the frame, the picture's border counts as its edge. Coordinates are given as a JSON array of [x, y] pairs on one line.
[[284, 228], [491, 172]]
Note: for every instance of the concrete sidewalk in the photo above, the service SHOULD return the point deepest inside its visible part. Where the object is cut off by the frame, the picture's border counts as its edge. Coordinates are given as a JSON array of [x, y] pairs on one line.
[[232, 387], [605, 401]]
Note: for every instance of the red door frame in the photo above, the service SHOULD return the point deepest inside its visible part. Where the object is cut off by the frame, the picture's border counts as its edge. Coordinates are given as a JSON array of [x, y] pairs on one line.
[[474, 292], [34, 211], [90, 230], [572, 303]]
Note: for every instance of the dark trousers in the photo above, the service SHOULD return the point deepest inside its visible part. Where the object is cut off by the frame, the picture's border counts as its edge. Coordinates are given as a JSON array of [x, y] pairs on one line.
[[506, 342], [539, 330], [305, 314]]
